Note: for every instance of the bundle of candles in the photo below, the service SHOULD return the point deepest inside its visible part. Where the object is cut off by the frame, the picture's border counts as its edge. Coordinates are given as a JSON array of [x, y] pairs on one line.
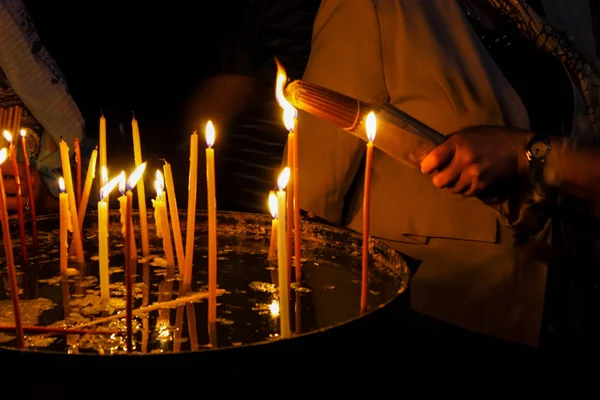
[[284, 207], [406, 139]]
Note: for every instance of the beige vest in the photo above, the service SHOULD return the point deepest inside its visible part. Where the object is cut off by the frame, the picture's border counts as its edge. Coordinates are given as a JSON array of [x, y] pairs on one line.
[[424, 58]]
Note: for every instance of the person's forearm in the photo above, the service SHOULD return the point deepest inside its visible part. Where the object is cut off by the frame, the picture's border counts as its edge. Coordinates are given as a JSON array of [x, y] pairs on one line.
[[574, 170]]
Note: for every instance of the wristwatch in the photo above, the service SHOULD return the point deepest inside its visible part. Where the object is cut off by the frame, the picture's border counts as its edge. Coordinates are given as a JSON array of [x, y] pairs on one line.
[[537, 150]]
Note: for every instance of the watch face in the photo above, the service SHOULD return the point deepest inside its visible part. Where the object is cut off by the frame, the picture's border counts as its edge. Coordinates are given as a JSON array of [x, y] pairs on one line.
[[538, 149]]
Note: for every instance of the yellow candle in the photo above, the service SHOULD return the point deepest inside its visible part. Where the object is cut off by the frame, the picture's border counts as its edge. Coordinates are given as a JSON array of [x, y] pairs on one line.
[[273, 210], [284, 304], [141, 192], [102, 143], [10, 261], [212, 223], [66, 168], [174, 211], [123, 212], [161, 219], [191, 213], [130, 260], [371, 123], [103, 237], [102, 155], [290, 121], [65, 226], [87, 187]]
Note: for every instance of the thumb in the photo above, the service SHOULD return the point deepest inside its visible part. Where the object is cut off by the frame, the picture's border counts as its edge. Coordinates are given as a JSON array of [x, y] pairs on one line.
[[438, 157]]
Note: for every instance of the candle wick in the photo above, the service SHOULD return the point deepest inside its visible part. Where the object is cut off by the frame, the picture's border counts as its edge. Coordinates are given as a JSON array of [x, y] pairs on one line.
[[101, 113], [132, 114]]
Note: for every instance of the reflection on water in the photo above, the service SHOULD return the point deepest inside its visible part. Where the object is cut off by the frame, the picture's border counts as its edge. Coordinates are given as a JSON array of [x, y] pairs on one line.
[[248, 306]]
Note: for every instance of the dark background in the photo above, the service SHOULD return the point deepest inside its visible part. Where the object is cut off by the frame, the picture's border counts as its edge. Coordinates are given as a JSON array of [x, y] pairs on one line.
[[119, 56]]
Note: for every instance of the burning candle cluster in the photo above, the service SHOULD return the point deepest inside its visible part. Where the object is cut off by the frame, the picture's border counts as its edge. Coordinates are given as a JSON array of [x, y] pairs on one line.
[[285, 245]]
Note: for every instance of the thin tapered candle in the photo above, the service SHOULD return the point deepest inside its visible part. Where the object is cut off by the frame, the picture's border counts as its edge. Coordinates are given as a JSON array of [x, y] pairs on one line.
[[284, 303], [34, 233], [17, 180], [10, 262], [78, 188], [273, 209], [212, 223], [102, 157], [371, 124], [66, 168], [134, 178], [64, 227], [191, 213], [141, 191], [87, 187], [174, 211], [162, 221], [103, 238], [296, 194], [290, 120]]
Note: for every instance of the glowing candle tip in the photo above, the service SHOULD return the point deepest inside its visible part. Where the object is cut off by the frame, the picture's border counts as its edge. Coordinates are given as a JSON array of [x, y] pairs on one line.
[[3, 155], [23, 132], [371, 126], [61, 184], [7, 136], [210, 134], [273, 204], [284, 178], [135, 176]]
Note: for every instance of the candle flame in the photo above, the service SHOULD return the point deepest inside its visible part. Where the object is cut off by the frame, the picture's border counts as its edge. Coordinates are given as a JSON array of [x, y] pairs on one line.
[[274, 308], [109, 186], [61, 184], [371, 126], [135, 176], [3, 155], [122, 182], [23, 132], [210, 134], [7, 136], [284, 178], [289, 116], [159, 183], [273, 204], [289, 112], [104, 175]]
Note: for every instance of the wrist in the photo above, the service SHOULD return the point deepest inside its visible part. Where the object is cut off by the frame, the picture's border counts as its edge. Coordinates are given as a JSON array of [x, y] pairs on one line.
[[523, 162]]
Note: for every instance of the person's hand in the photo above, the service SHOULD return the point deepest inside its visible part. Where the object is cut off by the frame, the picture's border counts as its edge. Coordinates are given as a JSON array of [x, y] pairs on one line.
[[471, 160], [10, 185]]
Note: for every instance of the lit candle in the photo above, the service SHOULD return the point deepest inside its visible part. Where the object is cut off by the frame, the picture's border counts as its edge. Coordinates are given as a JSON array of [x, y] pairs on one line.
[[191, 213], [87, 187], [273, 210], [10, 262], [15, 168], [290, 119], [134, 178], [65, 226], [371, 124], [284, 304], [103, 237], [66, 168], [212, 223], [162, 220], [103, 158], [30, 191], [78, 187], [122, 211], [141, 191], [174, 211]]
